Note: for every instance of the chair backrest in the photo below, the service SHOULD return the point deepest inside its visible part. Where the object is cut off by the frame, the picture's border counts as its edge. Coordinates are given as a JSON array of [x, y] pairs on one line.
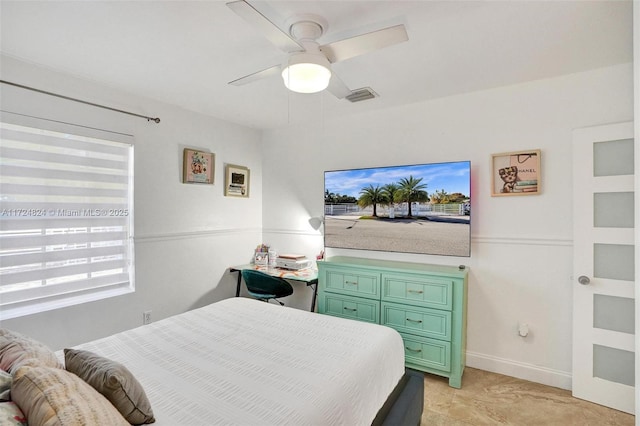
[[259, 282]]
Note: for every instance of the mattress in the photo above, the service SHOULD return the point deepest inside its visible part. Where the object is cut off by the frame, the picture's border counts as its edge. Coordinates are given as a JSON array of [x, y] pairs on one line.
[[244, 362]]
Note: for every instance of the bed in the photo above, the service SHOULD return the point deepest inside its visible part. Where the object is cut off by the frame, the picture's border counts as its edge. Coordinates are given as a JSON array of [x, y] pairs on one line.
[[244, 362]]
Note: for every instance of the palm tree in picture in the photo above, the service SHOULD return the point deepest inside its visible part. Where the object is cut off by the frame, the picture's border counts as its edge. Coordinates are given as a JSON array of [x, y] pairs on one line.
[[390, 191], [412, 190], [372, 196]]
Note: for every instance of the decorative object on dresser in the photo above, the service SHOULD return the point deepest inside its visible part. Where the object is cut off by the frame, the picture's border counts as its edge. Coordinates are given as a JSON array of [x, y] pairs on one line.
[[426, 304]]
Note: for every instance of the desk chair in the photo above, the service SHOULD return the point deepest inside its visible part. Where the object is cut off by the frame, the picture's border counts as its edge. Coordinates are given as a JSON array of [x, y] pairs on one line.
[[265, 287]]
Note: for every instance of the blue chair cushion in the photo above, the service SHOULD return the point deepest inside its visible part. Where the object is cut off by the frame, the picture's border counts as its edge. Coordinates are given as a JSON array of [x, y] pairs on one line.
[[265, 286], [262, 295]]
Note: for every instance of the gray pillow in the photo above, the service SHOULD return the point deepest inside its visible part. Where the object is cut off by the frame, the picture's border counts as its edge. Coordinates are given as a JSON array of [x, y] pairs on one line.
[[114, 381]]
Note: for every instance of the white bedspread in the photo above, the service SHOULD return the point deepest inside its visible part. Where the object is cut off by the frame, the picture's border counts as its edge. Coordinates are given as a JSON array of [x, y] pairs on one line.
[[244, 362]]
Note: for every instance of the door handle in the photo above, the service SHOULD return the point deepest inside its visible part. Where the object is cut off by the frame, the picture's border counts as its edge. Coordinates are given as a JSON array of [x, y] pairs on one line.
[[584, 280]]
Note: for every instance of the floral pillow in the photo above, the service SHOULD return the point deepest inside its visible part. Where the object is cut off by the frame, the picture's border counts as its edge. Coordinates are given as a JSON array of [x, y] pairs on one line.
[[53, 396], [10, 414], [17, 350], [5, 387]]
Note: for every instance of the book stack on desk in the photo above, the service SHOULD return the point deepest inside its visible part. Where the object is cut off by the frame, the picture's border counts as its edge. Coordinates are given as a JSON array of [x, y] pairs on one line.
[[293, 261]]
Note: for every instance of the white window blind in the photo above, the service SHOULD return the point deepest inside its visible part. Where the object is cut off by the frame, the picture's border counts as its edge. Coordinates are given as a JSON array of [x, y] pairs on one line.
[[66, 219]]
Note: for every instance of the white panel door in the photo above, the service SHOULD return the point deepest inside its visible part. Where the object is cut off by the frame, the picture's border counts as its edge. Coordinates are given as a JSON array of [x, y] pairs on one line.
[[604, 266]]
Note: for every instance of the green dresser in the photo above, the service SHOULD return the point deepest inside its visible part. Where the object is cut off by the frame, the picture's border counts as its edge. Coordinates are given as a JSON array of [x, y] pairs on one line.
[[426, 304]]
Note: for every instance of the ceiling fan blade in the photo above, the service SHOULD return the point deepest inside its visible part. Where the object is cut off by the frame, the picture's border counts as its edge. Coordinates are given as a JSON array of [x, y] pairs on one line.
[[274, 34], [365, 43], [271, 71], [337, 87]]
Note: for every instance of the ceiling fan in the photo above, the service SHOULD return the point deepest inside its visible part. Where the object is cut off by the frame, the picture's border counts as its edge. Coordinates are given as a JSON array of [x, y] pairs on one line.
[[307, 68]]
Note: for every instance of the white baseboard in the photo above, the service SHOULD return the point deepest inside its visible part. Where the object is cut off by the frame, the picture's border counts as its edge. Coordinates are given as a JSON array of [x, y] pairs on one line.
[[533, 373]]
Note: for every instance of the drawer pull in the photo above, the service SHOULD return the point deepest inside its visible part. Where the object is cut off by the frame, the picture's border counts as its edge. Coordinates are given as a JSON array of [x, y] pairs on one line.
[[415, 291], [416, 321], [413, 350], [351, 282], [350, 309]]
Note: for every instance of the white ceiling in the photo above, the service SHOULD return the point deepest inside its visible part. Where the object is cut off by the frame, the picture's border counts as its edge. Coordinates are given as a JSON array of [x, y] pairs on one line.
[[185, 52]]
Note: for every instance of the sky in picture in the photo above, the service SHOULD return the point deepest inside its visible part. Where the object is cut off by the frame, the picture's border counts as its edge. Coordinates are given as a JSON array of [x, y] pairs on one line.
[[452, 177]]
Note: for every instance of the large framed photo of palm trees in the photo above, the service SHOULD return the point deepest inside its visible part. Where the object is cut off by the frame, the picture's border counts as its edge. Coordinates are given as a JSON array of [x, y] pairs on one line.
[[419, 208]]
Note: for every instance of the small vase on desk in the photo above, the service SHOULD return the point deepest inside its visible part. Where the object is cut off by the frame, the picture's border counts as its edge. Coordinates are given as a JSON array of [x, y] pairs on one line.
[[272, 258], [261, 258]]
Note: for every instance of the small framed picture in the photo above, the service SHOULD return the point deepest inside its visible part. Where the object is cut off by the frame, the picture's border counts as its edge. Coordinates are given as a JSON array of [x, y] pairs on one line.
[[198, 166], [236, 181], [515, 173]]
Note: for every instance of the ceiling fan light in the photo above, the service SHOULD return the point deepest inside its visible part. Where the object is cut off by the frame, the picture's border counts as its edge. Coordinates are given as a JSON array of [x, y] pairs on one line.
[[306, 73]]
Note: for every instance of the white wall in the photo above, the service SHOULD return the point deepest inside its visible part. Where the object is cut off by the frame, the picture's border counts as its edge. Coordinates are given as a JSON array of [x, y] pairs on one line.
[[521, 261], [636, 80], [186, 236]]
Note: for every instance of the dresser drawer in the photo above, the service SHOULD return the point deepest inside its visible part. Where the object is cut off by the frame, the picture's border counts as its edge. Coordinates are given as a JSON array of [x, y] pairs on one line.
[[425, 352], [349, 307], [425, 322], [355, 282], [421, 290]]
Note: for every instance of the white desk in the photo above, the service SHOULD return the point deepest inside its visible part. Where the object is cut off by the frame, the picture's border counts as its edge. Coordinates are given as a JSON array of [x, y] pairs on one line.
[[308, 276]]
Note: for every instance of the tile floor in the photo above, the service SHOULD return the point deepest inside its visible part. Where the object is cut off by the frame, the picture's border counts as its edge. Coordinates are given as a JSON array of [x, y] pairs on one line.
[[494, 399]]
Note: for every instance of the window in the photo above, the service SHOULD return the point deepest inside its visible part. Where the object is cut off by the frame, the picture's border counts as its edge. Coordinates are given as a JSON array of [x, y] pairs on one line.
[[66, 219]]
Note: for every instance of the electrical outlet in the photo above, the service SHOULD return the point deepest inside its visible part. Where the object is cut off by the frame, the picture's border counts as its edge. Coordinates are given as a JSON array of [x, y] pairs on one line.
[[523, 329], [146, 317]]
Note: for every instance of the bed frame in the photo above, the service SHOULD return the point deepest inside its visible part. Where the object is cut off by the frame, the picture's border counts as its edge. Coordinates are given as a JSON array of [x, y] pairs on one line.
[[405, 404]]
